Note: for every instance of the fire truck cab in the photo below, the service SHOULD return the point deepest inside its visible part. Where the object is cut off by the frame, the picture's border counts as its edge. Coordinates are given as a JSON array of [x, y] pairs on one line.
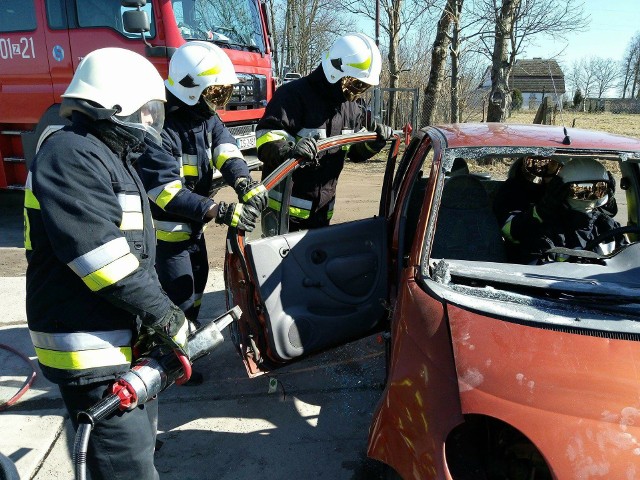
[[43, 41]]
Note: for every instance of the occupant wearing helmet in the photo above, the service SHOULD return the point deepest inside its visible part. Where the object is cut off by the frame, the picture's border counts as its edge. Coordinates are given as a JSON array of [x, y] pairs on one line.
[[525, 185], [90, 246], [178, 173], [570, 214], [321, 105]]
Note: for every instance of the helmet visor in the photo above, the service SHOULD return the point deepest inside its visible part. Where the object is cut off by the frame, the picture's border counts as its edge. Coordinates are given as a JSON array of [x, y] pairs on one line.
[[217, 96], [353, 88], [588, 190], [541, 167], [149, 117]]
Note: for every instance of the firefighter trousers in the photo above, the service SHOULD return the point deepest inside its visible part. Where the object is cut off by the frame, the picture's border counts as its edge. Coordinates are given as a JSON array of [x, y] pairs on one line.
[[122, 445], [183, 268]]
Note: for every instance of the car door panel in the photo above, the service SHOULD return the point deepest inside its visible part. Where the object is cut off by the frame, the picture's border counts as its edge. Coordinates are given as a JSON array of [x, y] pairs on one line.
[[321, 287]]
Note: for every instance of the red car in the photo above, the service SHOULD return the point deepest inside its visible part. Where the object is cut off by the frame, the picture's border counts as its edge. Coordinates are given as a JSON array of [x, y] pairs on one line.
[[496, 370]]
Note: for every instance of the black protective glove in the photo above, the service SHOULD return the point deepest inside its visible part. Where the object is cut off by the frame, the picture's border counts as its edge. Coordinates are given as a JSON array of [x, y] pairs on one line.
[[552, 202], [251, 192], [173, 330], [307, 150], [384, 132], [237, 215]]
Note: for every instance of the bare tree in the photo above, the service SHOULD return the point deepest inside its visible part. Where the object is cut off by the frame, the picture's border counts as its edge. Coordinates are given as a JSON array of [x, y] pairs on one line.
[[455, 60], [516, 23], [307, 28], [275, 36], [605, 76], [438, 62], [582, 76], [631, 67]]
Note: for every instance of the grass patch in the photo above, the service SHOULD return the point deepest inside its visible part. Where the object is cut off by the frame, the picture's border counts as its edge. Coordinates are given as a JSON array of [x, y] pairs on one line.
[[618, 123]]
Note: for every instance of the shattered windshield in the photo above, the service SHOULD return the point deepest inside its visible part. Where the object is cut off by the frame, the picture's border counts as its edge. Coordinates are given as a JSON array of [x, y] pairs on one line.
[[473, 245], [228, 23]]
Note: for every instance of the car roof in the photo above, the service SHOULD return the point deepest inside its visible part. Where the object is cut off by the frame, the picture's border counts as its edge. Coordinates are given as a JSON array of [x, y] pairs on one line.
[[531, 135]]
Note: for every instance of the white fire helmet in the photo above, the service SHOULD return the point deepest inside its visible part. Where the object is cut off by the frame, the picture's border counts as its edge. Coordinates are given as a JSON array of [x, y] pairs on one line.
[[196, 66], [124, 81], [354, 55], [587, 182]]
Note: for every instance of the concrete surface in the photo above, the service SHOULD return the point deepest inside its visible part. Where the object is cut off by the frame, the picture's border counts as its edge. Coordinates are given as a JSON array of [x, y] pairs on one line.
[[312, 425]]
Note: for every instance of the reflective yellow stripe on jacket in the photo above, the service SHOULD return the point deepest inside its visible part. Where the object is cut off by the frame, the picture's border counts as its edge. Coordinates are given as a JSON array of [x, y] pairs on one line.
[[266, 136], [189, 165], [83, 350], [163, 194], [30, 201], [298, 207], [172, 231], [132, 218], [224, 152], [105, 265]]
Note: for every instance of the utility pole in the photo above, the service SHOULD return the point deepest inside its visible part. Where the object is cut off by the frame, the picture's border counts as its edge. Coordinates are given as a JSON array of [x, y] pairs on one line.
[[377, 106]]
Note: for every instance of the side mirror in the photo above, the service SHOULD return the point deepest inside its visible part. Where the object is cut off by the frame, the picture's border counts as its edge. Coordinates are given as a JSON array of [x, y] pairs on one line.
[[135, 21]]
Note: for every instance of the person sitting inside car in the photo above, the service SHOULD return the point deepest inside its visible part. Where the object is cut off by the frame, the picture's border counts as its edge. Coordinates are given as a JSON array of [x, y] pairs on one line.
[[527, 182], [569, 214]]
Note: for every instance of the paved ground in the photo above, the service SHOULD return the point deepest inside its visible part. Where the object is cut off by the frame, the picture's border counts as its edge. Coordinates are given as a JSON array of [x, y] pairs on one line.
[[313, 426]]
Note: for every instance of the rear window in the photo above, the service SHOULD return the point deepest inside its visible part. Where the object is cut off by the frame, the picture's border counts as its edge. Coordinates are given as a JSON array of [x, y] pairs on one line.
[[17, 15]]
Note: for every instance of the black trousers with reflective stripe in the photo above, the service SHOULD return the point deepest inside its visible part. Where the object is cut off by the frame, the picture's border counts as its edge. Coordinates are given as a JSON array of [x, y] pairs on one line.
[[183, 268], [317, 219], [121, 446]]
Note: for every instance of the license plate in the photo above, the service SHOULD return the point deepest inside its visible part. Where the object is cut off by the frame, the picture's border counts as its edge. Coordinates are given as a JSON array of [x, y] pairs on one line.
[[244, 143]]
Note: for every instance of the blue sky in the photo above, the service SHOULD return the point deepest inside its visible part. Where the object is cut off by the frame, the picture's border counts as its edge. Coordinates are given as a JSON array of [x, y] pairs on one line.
[[612, 25]]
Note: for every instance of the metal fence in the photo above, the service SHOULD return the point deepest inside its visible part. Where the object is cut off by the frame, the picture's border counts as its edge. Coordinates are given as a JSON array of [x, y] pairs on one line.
[[410, 107], [405, 100]]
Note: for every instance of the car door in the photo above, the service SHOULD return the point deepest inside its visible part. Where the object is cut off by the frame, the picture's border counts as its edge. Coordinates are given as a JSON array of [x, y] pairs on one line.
[[303, 292]]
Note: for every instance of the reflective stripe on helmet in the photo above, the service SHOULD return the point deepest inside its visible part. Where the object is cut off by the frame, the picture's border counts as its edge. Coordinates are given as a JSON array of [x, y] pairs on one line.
[[354, 55], [196, 65]]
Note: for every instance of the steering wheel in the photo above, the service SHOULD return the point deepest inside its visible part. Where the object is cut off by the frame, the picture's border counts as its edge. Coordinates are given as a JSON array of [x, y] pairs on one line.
[[591, 244]]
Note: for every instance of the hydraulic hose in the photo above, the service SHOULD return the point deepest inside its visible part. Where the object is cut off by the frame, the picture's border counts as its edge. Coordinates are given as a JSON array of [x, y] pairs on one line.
[[80, 445], [27, 383], [148, 377]]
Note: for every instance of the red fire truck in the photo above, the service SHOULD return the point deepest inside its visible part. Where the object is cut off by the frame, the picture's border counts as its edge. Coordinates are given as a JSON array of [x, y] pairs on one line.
[[42, 42]]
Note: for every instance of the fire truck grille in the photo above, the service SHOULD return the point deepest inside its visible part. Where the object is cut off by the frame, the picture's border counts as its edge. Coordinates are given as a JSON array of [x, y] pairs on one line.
[[250, 93], [241, 130]]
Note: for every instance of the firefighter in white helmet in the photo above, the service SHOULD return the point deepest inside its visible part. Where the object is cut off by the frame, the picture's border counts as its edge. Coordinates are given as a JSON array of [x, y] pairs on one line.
[[570, 214], [178, 174], [320, 105], [90, 245]]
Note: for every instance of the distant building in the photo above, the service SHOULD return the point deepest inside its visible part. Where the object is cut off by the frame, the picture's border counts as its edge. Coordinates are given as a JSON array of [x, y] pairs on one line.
[[536, 78]]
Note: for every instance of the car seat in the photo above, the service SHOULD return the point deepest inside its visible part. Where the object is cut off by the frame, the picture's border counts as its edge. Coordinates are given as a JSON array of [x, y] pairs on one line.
[[467, 228]]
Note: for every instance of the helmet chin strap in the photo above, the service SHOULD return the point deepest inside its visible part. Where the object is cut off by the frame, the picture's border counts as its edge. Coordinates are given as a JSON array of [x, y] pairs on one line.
[[90, 109]]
